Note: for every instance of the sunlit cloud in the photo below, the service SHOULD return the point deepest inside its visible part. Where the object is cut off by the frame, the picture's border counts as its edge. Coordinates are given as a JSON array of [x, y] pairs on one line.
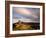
[[25, 15], [25, 12]]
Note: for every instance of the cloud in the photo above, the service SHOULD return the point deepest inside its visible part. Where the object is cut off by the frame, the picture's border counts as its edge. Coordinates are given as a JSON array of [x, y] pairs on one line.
[[25, 12]]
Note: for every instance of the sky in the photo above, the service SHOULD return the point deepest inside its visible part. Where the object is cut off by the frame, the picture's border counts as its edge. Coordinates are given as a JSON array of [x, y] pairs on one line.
[[27, 13]]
